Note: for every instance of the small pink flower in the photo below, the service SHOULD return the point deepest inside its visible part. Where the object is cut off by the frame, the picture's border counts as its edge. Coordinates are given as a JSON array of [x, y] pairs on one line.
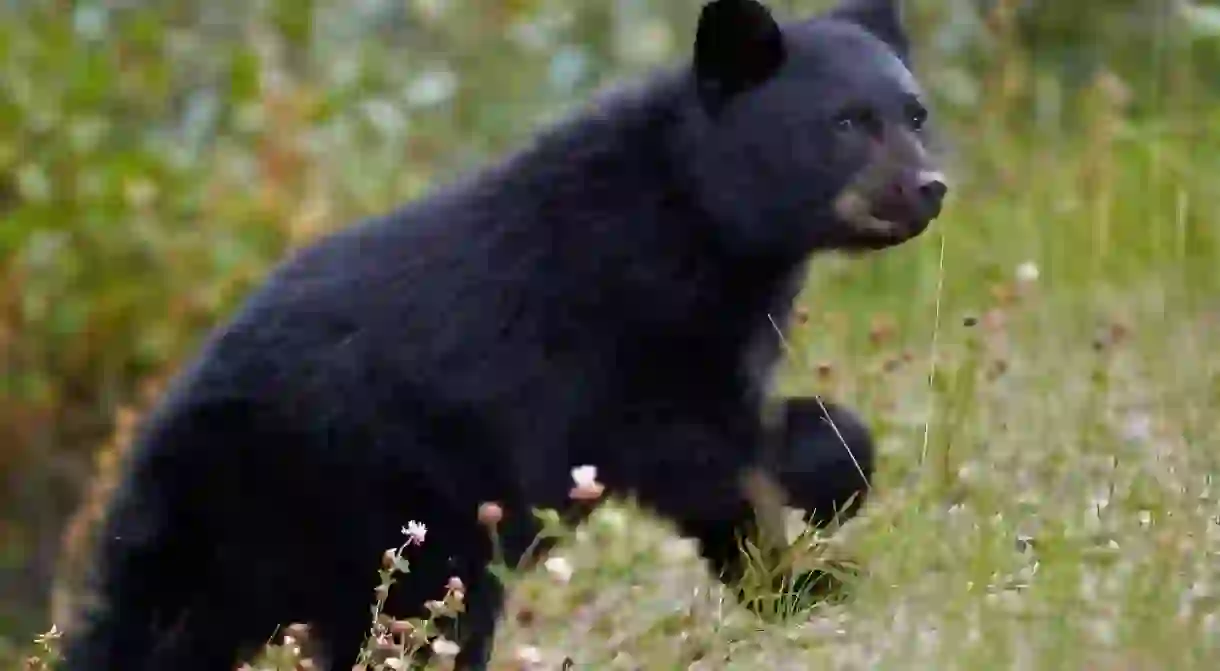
[[587, 487], [415, 532]]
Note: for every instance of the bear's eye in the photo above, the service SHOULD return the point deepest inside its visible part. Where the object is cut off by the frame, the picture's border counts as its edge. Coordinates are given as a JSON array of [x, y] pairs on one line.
[[919, 117]]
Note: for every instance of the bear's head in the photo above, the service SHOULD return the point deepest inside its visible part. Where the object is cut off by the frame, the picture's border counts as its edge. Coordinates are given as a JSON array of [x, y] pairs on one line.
[[809, 135]]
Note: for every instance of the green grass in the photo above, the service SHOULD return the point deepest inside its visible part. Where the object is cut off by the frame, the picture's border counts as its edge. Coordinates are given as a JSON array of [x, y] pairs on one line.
[[1056, 515], [1044, 499]]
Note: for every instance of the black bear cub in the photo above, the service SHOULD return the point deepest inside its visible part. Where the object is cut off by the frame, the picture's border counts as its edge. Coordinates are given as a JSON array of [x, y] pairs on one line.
[[607, 296]]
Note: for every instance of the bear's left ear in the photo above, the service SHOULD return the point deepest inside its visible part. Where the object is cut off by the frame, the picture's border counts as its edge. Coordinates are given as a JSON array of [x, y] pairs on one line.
[[738, 45], [882, 18]]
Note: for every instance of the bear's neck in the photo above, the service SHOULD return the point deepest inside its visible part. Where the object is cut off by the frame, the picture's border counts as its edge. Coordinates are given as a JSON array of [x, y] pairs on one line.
[[622, 221]]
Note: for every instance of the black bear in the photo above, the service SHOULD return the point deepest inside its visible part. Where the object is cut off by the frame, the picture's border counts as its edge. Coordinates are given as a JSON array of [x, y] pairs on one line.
[[608, 295]]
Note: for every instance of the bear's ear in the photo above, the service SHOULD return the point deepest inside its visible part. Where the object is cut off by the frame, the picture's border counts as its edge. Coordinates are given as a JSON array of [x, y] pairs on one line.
[[882, 18], [738, 45]]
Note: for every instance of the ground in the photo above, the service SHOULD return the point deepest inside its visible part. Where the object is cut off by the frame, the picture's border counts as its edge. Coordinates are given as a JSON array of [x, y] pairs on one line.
[[1056, 513], [1069, 524]]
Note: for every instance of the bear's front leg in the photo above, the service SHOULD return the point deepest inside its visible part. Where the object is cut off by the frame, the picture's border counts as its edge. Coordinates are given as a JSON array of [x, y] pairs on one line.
[[823, 465], [710, 478], [825, 461], [698, 470]]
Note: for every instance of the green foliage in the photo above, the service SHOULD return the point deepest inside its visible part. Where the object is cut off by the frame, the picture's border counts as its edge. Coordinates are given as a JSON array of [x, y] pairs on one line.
[[156, 158]]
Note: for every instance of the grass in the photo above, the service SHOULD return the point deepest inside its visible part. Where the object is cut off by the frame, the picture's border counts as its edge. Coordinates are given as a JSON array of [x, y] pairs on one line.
[[1056, 512], [1048, 440], [1059, 516], [1045, 494]]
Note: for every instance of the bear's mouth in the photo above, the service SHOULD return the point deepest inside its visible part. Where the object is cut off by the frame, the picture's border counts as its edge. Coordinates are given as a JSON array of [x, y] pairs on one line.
[[882, 222]]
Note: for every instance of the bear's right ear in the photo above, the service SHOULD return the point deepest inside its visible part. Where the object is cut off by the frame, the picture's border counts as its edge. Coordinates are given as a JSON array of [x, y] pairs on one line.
[[738, 45], [882, 18]]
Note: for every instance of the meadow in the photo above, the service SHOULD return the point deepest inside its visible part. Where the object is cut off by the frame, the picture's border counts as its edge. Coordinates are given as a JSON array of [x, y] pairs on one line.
[[1041, 368]]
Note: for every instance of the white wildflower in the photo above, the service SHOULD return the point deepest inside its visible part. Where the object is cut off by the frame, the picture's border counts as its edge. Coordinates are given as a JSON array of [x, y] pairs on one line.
[[1027, 273], [444, 647], [584, 476], [529, 655], [415, 532], [587, 487], [559, 568]]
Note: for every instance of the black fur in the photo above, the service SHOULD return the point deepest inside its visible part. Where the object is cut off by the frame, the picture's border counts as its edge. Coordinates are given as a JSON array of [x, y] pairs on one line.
[[605, 296]]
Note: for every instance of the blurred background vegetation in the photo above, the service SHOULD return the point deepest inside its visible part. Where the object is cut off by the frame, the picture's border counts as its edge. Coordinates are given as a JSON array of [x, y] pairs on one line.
[[156, 157]]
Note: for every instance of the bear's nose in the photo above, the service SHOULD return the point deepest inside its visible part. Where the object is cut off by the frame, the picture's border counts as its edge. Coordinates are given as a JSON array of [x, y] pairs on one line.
[[932, 191]]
